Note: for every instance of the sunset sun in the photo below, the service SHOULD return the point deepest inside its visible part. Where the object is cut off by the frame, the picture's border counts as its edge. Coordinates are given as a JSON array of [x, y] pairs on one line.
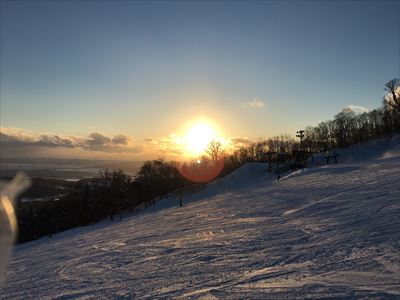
[[198, 137]]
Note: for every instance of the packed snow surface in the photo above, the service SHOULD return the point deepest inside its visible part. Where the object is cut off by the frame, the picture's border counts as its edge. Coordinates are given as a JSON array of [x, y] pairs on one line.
[[326, 231]]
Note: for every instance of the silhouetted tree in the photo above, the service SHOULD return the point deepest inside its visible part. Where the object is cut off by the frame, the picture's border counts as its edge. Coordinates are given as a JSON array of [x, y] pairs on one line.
[[391, 102], [114, 185], [343, 126], [392, 98], [215, 151], [260, 150]]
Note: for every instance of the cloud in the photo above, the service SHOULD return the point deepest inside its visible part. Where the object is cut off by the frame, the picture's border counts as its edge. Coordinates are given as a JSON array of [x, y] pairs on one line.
[[97, 139], [169, 145], [239, 142], [54, 141], [44, 140], [25, 143], [357, 108], [255, 103], [151, 141], [120, 139]]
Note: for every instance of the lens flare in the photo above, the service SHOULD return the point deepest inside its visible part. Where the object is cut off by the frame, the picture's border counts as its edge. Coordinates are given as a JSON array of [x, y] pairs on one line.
[[201, 171]]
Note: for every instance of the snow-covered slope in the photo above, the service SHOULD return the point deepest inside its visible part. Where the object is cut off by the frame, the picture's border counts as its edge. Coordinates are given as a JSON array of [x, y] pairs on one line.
[[331, 231], [381, 148]]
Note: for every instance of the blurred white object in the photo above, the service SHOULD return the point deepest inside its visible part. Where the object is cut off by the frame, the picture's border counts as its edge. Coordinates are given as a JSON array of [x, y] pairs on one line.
[[8, 222]]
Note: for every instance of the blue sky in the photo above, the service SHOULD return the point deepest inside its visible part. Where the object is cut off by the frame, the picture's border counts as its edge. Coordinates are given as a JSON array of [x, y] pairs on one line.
[[144, 69]]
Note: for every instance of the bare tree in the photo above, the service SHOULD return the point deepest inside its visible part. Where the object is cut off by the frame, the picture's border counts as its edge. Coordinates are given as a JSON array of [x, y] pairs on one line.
[[261, 149], [323, 135], [392, 98], [391, 102], [343, 127], [215, 151]]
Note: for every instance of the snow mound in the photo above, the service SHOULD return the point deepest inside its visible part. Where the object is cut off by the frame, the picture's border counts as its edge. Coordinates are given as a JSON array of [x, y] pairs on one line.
[[244, 177]]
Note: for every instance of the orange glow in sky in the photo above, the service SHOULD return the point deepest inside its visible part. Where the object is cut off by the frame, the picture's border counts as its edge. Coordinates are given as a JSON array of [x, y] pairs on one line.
[[197, 136]]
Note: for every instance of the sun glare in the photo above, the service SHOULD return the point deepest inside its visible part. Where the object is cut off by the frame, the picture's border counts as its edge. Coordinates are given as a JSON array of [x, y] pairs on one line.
[[198, 137]]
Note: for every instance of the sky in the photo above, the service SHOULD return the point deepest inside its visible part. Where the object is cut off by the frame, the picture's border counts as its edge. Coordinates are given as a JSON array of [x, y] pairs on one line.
[[125, 79]]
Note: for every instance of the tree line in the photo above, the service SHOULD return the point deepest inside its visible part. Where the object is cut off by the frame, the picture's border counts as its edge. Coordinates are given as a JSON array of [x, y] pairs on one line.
[[346, 129]]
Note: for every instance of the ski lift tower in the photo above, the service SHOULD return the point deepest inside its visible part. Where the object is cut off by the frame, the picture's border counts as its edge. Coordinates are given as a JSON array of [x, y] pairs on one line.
[[300, 135]]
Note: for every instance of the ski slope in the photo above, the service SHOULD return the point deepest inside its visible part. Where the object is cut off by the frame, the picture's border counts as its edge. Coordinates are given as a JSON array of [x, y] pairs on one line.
[[327, 231]]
